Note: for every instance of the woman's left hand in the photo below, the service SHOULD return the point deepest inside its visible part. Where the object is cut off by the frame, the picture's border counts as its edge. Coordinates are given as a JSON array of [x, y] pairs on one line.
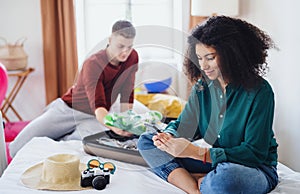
[[177, 147]]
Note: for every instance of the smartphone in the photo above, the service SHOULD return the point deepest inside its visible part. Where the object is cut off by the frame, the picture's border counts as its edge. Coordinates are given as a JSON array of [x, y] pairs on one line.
[[153, 128]]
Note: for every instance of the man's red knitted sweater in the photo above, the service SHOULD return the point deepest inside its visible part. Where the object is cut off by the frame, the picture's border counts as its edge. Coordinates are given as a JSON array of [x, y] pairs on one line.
[[99, 83]]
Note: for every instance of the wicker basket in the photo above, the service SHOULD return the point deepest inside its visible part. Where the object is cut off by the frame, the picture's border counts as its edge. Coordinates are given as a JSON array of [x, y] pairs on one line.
[[13, 56]]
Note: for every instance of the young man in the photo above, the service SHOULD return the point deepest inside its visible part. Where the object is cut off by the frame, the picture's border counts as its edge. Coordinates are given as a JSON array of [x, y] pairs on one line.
[[80, 112]]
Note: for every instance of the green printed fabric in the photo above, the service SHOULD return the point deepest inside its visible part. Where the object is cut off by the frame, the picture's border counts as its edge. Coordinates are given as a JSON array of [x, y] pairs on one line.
[[131, 121]]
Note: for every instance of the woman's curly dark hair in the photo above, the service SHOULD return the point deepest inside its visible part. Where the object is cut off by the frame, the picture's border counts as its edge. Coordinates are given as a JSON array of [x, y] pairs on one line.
[[240, 46]]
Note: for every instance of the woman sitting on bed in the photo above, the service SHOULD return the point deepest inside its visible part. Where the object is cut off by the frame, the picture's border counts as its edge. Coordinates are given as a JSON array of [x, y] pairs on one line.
[[231, 107]]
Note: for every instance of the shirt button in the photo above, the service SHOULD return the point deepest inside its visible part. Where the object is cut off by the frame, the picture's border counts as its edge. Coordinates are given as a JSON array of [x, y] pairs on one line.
[[219, 136], [221, 115], [221, 96]]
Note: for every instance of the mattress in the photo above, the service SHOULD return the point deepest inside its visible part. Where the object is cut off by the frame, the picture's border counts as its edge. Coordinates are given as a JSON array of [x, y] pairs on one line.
[[128, 178]]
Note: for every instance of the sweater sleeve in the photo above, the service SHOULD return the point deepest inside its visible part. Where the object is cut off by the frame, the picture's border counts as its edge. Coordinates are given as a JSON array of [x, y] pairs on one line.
[[127, 93], [92, 78]]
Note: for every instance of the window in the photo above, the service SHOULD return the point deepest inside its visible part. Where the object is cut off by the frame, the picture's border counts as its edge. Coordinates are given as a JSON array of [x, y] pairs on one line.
[[159, 27]]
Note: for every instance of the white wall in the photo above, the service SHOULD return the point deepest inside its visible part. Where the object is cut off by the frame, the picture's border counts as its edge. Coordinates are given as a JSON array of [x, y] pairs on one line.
[[20, 18], [278, 18]]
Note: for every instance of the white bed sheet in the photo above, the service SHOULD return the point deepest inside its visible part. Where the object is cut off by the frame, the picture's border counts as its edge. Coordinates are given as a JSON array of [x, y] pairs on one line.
[[128, 178]]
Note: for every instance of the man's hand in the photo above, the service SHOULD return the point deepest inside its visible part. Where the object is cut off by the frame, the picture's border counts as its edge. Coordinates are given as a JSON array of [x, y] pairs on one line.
[[100, 113], [120, 131]]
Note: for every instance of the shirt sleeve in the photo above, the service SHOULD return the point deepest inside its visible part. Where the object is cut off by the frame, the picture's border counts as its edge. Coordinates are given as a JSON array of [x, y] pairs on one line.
[[254, 149], [187, 123]]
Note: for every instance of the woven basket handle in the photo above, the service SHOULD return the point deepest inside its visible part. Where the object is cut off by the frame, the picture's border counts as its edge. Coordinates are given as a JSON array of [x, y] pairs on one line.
[[4, 40], [21, 41]]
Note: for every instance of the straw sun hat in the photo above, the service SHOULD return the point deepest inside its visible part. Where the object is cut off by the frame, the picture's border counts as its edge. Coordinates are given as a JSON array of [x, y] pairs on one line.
[[59, 172]]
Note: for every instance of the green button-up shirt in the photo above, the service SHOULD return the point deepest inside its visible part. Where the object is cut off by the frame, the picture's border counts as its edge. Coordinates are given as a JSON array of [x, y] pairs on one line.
[[238, 124]]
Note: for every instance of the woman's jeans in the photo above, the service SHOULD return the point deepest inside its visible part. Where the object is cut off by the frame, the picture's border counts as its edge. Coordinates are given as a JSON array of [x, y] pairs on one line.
[[225, 178]]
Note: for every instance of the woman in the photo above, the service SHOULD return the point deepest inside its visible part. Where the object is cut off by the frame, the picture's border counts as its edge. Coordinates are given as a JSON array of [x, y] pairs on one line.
[[230, 106]]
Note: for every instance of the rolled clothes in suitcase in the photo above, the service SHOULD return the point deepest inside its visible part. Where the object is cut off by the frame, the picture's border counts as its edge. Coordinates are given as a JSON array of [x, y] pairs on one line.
[[106, 144]]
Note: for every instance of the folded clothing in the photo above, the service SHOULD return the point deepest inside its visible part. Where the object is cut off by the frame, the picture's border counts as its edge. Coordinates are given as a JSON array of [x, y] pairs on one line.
[[170, 106], [131, 121]]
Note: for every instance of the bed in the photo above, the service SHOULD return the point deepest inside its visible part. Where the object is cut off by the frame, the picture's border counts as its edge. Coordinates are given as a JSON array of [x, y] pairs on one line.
[[128, 178]]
